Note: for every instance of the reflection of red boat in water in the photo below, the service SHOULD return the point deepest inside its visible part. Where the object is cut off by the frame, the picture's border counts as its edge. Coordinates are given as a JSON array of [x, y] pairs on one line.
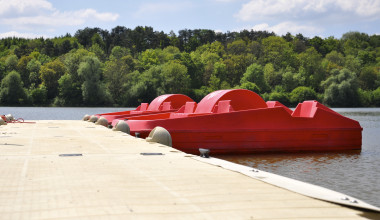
[[240, 121], [163, 103]]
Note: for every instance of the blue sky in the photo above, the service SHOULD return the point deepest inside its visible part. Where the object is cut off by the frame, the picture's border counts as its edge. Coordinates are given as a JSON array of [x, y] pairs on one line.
[[324, 18]]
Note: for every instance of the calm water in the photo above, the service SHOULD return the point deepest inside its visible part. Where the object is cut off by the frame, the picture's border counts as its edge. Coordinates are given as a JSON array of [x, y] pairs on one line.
[[355, 174], [55, 113]]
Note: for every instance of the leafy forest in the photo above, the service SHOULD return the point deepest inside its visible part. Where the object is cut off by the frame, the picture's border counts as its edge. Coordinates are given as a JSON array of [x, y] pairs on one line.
[[124, 67]]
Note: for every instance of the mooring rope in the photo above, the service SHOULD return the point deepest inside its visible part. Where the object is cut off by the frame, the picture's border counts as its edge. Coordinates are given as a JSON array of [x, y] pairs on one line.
[[18, 120]]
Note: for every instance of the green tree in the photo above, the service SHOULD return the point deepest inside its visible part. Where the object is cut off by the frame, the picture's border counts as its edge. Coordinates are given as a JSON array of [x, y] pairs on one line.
[[96, 39], [301, 94], [11, 90], [93, 92], [23, 70], [271, 76], [202, 61], [214, 83], [50, 74], [144, 87], [150, 58], [310, 63], [367, 78], [289, 81], [365, 98], [135, 61], [353, 42], [11, 62], [72, 61], [170, 53], [176, 79], [255, 48], [255, 74], [352, 63], [49, 48], [367, 57], [68, 94], [118, 52], [115, 74], [64, 47], [330, 44], [38, 95], [2, 70], [278, 52], [318, 44], [237, 47], [336, 58], [236, 66], [98, 51], [376, 97], [218, 79], [279, 96], [194, 68], [33, 66], [250, 86], [341, 89], [34, 79]]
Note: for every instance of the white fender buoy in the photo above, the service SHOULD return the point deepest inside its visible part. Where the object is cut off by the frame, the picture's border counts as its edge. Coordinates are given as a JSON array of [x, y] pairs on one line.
[[122, 126], [93, 119], [86, 117], [2, 122], [102, 121], [160, 135], [9, 117]]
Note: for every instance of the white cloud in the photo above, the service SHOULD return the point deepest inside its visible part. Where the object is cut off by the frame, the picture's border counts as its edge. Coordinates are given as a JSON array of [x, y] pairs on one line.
[[17, 7], [258, 9], [365, 8], [91, 13], [21, 35], [31, 14], [284, 27], [161, 7], [227, 1]]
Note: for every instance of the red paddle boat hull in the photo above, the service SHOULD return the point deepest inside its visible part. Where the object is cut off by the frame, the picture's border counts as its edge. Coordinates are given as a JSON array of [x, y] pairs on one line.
[[239, 121]]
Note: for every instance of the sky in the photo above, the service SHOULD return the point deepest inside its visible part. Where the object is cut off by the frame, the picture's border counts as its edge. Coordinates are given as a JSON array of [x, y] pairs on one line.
[[324, 18]]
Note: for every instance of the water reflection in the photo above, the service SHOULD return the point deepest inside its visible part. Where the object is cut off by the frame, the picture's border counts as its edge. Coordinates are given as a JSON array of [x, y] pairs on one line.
[[354, 173], [295, 162]]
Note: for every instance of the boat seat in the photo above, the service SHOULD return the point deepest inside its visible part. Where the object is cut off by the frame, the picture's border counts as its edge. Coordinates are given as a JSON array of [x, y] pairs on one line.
[[185, 110], [306, 109], [272, 104], [223, 107], [166, 106], [189, 107], [142, 108]]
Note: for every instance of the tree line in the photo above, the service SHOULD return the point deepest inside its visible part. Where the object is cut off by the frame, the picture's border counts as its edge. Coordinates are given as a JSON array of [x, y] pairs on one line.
[[124, 67]]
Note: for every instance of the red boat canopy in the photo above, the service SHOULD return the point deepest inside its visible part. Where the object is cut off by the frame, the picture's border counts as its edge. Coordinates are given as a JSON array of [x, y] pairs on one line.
[[241, 99], [176, 101]]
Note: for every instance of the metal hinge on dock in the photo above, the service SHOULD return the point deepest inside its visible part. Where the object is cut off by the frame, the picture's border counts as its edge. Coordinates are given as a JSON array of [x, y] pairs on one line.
[[71, 155]]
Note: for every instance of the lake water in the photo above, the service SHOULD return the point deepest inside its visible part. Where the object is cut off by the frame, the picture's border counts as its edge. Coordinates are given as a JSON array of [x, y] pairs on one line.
[[355, 173]]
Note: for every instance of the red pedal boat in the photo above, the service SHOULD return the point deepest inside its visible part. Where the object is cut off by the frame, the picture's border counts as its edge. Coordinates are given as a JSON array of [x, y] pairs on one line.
[[163, 103], [240, 121]]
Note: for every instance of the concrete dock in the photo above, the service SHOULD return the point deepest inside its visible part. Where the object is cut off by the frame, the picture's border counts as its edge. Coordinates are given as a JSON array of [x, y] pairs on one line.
[[79, 170]]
